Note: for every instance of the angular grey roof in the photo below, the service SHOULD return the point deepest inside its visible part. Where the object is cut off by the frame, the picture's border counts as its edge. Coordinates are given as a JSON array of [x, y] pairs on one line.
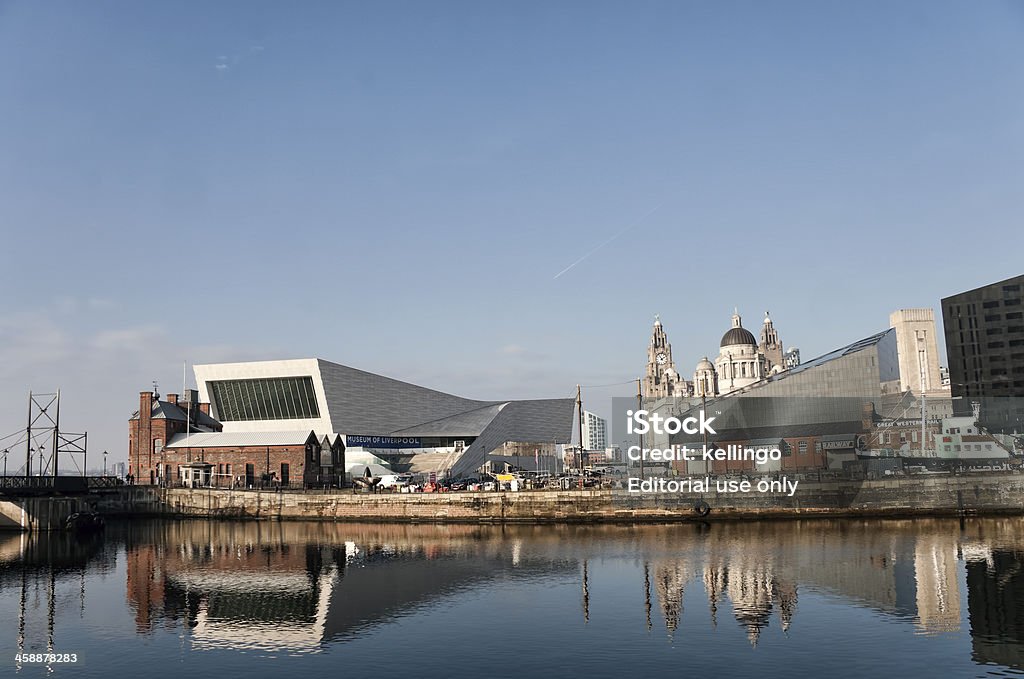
[[240, 438], [469, 423], [852, 348], [361, 402], [538, 421]]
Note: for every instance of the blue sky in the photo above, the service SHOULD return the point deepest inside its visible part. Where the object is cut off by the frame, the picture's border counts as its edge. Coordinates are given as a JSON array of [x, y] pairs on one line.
[[395, 186]]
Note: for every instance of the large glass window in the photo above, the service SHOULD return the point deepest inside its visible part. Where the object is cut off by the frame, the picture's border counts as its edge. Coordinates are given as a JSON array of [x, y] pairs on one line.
[[276, 398]]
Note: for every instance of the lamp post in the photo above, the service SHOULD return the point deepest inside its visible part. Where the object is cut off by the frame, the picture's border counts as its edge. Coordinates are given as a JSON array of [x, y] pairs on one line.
[[104, 463], [6, 450], [640, 406]]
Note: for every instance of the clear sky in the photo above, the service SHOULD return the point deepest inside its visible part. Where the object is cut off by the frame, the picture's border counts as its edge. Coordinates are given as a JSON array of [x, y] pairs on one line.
[[397, 186]]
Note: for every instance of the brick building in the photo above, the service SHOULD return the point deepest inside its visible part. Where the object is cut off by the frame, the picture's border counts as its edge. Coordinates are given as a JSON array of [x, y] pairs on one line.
[[802, 451], [155, 423], [202, 454], [260, 459]]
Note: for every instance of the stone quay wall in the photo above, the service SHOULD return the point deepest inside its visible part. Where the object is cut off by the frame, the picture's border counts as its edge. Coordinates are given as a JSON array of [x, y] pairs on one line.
[[976, 494]]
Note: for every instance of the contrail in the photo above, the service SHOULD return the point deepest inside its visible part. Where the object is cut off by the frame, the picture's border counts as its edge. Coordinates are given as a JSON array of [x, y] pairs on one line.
[[617, 235]]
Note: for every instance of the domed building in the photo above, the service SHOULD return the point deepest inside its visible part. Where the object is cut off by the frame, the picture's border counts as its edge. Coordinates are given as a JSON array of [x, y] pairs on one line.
[[705, 381], [741, 360]]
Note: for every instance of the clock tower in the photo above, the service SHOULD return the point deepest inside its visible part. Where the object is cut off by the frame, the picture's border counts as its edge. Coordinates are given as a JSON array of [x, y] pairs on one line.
[[662, 380]]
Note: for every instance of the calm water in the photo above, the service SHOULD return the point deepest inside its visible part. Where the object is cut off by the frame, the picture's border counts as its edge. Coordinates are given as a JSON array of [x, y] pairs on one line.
[[839, 598]]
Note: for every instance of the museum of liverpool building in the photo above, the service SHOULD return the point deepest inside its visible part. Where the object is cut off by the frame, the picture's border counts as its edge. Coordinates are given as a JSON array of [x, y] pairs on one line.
[[311, 421]]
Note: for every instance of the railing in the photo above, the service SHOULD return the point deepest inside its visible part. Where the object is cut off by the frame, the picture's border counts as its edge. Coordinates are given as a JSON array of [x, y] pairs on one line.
[[27, 482], [41, 485], [257, 483], [96, 482]]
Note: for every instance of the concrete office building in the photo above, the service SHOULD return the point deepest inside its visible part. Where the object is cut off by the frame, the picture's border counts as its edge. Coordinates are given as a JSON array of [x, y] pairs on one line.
[[984, 331], [595, 432]]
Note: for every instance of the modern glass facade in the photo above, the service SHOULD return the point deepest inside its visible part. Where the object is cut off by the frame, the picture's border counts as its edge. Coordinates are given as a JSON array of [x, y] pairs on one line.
[[276, 398]]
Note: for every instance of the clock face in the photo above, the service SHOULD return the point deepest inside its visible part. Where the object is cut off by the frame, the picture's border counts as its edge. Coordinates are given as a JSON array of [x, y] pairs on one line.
[[661, 358]]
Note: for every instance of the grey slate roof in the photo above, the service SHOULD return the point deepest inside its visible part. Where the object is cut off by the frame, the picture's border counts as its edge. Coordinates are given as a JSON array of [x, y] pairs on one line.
[[240, 438], [170, 411]]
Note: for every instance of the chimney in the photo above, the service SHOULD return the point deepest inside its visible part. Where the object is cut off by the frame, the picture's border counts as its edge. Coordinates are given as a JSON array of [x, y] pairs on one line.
[[144, 447], [172, 399], [145, 407], [204, 408], [867, 416]]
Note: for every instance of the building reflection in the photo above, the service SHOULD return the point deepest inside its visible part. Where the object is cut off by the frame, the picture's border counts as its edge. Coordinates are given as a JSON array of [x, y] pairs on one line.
[[296, 587], [937, 583], [299, 585], [995, 601], [754, 572], [994, 563], [670, 578], [754, 590]]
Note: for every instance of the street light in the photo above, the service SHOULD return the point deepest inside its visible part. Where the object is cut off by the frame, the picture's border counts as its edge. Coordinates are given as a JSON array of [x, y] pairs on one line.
[[40, 451], [104, 463]]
